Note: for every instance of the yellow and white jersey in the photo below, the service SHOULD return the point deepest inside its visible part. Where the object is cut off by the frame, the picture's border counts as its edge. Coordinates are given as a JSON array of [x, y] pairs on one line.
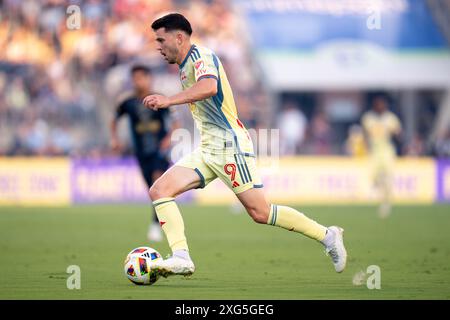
[[380, 128], [216, 117]]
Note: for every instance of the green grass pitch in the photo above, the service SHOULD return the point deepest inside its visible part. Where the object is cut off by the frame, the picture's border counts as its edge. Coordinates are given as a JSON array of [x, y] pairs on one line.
[[235, 258]]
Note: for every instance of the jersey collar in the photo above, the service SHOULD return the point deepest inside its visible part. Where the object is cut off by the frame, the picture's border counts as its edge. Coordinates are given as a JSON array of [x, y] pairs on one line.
[[187, 56]]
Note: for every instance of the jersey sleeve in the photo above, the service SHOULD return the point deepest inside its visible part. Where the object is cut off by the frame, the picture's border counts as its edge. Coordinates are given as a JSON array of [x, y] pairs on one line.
[[365, 122], [204, 66], [394, 124], [120, 110]]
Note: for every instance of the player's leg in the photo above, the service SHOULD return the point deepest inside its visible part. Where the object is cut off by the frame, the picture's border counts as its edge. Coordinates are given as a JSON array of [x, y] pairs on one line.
[[386, 185], [285, 217], [240, 174], [290, 219], [376, 176], [173, 182], [154, 233], [187, 174], [381, 176]]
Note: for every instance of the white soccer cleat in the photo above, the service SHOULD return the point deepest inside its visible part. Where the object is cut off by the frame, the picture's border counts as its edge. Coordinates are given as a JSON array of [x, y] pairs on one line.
[[337, 250], [173, 266], [154, 233]]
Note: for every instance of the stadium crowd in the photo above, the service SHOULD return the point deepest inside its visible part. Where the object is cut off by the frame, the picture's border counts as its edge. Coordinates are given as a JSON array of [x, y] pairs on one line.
[[59, 86]]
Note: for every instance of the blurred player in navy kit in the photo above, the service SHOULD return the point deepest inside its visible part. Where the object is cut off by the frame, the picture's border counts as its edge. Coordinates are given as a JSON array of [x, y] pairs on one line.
[[150, 132]]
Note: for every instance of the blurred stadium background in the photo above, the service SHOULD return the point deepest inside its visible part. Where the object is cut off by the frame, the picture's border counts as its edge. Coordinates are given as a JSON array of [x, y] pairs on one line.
[[307, 68]]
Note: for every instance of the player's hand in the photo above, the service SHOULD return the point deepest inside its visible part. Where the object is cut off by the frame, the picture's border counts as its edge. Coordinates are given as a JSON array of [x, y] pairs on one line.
[[156, 101], [115, 144]]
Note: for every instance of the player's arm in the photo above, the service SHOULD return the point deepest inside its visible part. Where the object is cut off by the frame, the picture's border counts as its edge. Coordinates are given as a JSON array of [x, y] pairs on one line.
[[115, 145], [206, 74], [201, 90], [396, 126], [115, 142], [366, 124]]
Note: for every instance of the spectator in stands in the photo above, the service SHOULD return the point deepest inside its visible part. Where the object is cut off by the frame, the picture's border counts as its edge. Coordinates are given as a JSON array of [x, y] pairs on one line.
[[292, 125], [442, 144], [415, 147], [61, 74], [320, 134]]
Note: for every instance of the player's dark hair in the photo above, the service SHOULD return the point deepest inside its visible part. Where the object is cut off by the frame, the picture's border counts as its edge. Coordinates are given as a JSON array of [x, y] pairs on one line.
[[140, 68], [171, 22]]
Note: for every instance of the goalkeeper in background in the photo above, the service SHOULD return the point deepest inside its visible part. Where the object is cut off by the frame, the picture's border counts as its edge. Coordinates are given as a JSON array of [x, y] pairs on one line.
[[380, 125]]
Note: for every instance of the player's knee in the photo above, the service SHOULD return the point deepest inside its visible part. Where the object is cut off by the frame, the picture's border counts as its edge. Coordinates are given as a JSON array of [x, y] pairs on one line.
[[258, 214], [157, 191], [152, 193]]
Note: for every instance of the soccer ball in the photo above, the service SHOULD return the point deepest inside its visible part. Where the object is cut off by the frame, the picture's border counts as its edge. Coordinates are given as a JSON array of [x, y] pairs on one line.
[[136, 265]]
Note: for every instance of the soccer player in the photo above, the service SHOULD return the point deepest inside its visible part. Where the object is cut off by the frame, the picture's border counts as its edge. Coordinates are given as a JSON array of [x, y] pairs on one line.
[[225, 152], [380, 125], [150, 134]]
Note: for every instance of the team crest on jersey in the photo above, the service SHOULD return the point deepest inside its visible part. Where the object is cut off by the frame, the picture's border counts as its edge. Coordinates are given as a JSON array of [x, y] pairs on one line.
[[199, 64], [199, 68], [183, 76]]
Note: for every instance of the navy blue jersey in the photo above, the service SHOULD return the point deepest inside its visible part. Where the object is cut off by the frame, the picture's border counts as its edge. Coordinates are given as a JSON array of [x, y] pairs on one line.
[[148, 127]]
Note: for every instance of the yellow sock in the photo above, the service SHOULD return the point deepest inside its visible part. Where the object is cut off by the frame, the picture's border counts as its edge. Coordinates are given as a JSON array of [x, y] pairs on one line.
[[171, 222], [292, 220]]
